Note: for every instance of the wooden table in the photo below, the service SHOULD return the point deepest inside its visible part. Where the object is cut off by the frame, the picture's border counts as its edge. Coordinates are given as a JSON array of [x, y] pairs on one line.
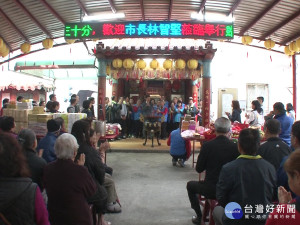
[[201, 139]]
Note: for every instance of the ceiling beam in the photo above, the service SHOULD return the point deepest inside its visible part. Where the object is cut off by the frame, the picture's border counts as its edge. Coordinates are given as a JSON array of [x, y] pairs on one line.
[[202, 5], [142, 9], [54, 13], [79, 3], [258, 17], [283, 23], [5, 17], [288, 40], [21, 6], [112, 6], [234, 6], [170, 9]]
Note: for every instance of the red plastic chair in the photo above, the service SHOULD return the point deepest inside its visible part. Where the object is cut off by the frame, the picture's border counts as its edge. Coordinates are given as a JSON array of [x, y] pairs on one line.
[[207, 214]]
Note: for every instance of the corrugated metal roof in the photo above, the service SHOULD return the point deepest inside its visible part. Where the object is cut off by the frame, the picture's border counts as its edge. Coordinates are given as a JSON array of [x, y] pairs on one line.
[[251, 16]]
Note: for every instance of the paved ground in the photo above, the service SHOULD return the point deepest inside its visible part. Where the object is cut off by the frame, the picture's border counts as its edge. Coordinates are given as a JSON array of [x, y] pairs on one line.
[[136, 145], [151, 190]]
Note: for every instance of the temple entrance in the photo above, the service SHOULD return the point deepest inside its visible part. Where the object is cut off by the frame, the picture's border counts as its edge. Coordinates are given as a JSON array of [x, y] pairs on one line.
[[156, 89]]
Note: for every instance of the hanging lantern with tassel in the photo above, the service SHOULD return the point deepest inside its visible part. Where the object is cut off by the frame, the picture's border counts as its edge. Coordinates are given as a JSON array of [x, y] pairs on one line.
[[269, 44], [293, 47], [287, 51], [47, 43], [192, 64], [2, 44], [70, 41], [180, 64], [167, 66], [298, 43], [141, 64], [154, 64], [4, 51], [128, 64], [25, 47], [117, 63], [247, 40]]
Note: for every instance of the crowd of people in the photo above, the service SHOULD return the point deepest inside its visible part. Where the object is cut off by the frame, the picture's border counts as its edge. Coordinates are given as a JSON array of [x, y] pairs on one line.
[[63, 179], [263, 177], [128, 114]]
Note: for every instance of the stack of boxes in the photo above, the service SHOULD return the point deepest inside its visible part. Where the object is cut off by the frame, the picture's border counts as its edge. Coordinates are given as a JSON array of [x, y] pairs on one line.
[[36, 119], [38, 123], [24, 105], [70, 119], [20, 116], [21, 119]]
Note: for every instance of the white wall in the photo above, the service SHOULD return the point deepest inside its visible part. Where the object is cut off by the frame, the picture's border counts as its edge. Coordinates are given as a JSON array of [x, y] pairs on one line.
[[232, 68]]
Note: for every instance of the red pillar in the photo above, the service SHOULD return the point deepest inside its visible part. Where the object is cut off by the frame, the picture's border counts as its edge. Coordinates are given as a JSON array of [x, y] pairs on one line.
[[101, 88], [206, 101], [206, 93], [195, 93]]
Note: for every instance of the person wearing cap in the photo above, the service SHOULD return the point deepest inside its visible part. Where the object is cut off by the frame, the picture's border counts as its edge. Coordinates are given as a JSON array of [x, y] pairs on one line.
[[190, 108], [46, 144], [286, 122]]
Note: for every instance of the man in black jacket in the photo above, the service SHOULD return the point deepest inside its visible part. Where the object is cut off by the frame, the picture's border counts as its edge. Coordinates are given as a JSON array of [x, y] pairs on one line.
[[249, 181], [213, 155], [274, 149]]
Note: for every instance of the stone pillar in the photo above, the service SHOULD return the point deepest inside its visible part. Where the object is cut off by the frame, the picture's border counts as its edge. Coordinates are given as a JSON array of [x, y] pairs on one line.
[[206, 93], [101, 88]]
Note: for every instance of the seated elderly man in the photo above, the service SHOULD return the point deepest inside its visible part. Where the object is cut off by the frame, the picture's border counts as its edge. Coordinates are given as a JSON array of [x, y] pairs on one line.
[[68, 185], [274, 149], [246, 185], [213, 155]]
